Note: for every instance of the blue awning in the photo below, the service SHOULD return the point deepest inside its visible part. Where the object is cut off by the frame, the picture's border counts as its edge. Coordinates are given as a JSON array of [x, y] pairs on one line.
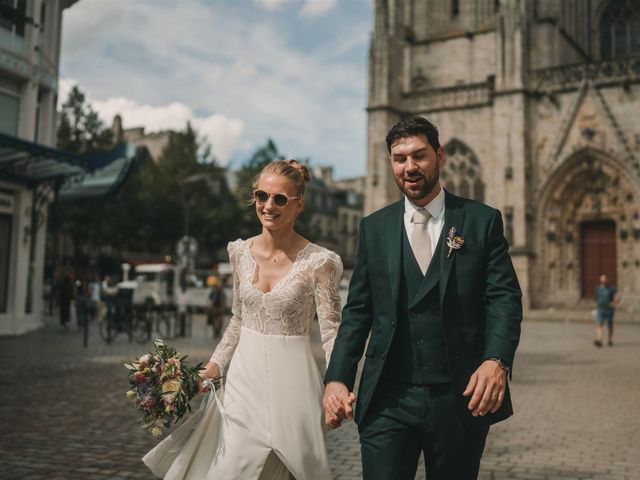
[[32, 163], [109, 170], [77, 177]]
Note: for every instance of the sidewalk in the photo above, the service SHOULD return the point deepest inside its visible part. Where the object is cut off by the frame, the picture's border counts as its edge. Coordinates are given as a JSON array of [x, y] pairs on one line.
[[65, 416]]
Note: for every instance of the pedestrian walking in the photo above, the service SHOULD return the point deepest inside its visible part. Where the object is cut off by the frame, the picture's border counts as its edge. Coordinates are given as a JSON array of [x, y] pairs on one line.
[[606, 299], [271, 426], [65, 292], [217, 305], [108, 294], [435, 294], [95, 290], [82, 302]]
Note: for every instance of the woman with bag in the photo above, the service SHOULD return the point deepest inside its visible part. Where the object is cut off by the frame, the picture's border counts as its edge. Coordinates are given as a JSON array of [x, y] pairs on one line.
[[269, 423]]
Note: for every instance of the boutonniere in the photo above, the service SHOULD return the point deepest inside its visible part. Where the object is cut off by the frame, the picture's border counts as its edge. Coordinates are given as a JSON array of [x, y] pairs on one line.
[[454, 241]]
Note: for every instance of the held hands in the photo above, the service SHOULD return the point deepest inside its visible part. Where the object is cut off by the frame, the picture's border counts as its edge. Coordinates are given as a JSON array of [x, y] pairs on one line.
[[210, 370], [486, 388], [337, 404]]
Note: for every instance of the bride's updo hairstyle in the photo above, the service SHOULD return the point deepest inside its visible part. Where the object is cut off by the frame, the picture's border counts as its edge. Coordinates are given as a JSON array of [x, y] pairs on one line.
[[295, 171]]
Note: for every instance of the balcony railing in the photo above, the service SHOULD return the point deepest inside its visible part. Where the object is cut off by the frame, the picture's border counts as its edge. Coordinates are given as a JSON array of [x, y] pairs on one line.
[[622, 69]]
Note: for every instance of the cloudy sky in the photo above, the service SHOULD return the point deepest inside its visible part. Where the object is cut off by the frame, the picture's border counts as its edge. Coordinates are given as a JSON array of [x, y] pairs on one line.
[[241, 70]]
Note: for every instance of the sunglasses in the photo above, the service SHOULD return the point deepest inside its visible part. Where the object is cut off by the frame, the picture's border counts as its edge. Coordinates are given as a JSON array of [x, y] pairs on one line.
[[279, 199]]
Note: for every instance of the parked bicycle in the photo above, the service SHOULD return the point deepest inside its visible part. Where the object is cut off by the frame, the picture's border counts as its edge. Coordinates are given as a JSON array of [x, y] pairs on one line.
[[163, 322], [120, 318]]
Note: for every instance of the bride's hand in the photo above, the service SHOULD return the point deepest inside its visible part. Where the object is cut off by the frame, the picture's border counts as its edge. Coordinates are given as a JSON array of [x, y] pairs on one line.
[[210, 370]]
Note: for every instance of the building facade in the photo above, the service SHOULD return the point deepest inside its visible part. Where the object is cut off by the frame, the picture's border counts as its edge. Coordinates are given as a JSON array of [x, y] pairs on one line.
[[154, 142], [30, 32], [336, 208], [536, 102]]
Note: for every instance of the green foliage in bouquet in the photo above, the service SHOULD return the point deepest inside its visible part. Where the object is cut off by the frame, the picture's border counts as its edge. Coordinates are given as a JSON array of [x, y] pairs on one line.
[[162, 383]]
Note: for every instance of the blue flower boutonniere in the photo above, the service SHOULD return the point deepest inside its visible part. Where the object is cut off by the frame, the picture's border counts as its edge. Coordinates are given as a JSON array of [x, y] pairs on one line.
[[454, 241]]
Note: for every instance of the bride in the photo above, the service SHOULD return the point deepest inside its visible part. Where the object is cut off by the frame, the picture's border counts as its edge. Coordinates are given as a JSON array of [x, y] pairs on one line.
[[272, 426]]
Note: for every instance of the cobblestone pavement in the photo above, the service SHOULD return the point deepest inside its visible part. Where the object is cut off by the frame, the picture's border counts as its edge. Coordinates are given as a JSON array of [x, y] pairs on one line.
[[64, 414]]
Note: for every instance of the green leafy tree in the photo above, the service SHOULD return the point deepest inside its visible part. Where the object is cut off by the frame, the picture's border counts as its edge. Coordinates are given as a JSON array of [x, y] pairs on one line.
[[188, 194], [80, 131], [184, 192]]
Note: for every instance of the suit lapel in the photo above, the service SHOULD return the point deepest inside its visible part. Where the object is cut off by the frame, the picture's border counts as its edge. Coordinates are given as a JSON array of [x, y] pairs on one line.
[[393, 229], [453, 217]]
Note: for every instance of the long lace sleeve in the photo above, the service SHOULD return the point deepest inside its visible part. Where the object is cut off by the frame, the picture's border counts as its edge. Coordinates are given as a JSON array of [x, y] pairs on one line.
[[327, 298], [224, 351]]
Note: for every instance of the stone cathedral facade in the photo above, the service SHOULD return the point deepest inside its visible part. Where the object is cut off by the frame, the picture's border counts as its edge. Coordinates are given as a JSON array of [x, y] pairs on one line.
[[538, 107]]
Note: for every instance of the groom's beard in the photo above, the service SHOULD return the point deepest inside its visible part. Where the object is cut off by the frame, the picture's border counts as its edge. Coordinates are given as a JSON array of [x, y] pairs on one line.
[[430, 181]]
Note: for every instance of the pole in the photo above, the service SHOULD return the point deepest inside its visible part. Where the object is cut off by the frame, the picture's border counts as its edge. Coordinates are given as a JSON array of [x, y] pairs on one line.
[[86, 331]]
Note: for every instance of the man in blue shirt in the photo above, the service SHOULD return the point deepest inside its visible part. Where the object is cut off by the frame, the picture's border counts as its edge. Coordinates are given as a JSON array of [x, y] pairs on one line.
[[606, 298]]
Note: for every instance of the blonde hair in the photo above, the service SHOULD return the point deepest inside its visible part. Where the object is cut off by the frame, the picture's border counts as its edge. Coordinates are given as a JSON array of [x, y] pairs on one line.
[[295, 171]]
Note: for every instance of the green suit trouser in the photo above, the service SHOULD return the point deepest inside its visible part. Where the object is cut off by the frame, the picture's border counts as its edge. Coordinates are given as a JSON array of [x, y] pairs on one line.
[[405, 420]]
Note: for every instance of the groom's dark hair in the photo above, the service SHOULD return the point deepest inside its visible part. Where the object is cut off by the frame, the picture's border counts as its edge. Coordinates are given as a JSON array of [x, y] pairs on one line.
[[411, 127]]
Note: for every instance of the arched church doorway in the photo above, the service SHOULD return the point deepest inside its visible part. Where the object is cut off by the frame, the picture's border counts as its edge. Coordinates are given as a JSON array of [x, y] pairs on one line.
[[598, 254], [587, 217]]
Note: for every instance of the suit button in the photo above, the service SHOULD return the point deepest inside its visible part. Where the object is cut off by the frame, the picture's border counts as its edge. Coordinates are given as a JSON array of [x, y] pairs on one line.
[[383, 356], [393, 324]]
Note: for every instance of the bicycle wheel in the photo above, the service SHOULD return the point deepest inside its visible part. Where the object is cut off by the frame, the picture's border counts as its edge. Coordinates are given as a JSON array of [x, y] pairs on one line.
[[163, 325], [142, 323], [106, 330]]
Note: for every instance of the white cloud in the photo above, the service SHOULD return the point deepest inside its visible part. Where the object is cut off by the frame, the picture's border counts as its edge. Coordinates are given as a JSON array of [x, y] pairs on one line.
[[64, 87], [88, 22], [240, 75], [223, 133], [317, 8], [270, 4]]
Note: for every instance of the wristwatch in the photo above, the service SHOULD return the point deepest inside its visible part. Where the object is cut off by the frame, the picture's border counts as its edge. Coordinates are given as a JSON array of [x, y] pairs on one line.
[[503, 365]]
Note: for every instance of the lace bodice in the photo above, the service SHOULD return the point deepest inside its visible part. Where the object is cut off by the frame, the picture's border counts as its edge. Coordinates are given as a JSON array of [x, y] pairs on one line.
[[310, 287]]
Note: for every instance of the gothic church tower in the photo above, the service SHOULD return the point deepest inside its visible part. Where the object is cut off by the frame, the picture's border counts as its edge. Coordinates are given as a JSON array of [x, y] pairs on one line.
[[536, 102]]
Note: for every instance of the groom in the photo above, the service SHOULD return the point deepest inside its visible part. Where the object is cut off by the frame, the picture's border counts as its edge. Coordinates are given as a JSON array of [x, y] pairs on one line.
[[435, 292]]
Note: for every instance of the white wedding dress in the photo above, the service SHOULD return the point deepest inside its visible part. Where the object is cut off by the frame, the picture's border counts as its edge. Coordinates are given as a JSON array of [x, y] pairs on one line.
[[271, 423]]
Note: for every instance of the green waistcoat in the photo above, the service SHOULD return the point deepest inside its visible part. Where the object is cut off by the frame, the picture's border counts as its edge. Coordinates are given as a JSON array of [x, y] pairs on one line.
[[417, 353]]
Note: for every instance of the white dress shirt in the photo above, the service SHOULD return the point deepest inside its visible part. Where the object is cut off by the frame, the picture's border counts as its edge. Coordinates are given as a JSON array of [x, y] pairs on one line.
[[435, 223]]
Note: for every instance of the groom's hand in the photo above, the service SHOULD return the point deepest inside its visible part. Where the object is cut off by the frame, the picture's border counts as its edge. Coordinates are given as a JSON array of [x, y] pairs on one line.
[[337, 404], [486, 388]]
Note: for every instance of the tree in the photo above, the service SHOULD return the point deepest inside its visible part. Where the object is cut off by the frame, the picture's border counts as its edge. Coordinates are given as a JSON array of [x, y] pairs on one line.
[[80, 131], [188, 194], [184, 192]]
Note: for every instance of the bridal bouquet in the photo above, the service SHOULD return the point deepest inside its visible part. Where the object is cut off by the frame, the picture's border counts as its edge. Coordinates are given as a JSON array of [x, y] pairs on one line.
[[162, 383]]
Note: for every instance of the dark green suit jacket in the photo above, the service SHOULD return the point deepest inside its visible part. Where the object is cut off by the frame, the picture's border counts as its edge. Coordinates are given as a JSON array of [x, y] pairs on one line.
[[481, 301]]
